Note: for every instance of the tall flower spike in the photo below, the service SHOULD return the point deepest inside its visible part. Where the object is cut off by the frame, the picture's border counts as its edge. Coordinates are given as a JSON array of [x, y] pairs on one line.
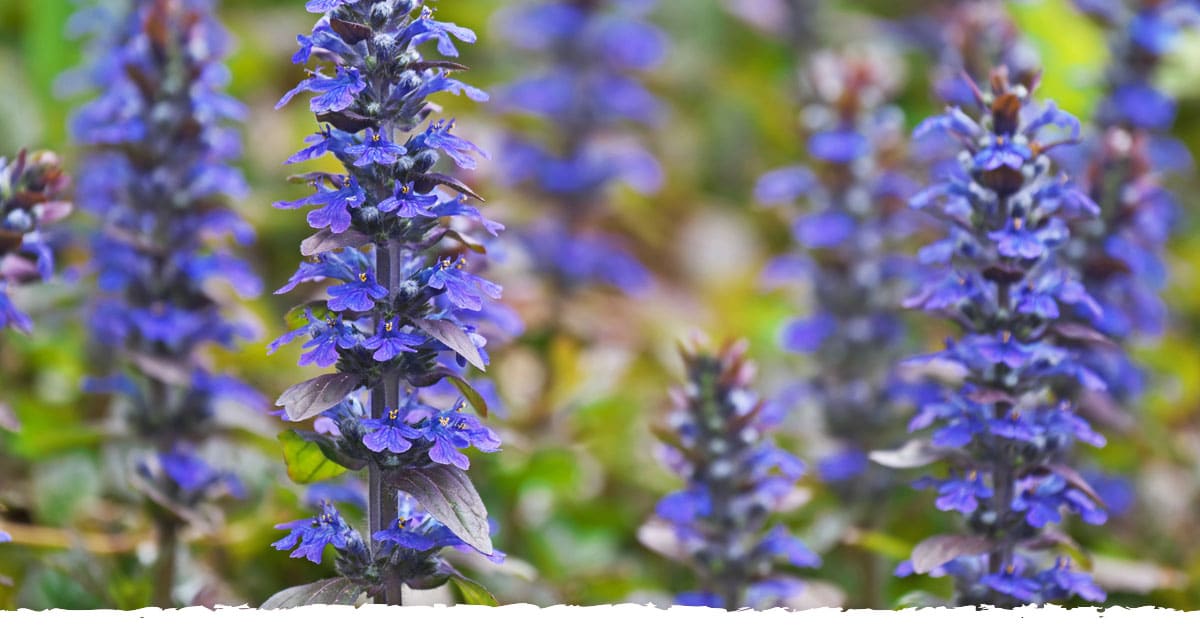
[[1121, 168], [158, 178], [587, 92], [718, 438], [33, 191], [848, 235], [398, 320], [1000, 274]]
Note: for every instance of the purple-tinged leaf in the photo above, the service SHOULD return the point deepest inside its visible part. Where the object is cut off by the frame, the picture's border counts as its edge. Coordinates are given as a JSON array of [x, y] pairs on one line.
[[161, 369], [8, 419], [426, 182], [454, 338], [1082, 333], [351, 32], [328, 591], [327, 241], [307, 399], [448, 495], [1077, 481], [939, 550]]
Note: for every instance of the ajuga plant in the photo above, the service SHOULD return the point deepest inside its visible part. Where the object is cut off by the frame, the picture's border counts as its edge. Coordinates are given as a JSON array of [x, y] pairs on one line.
[[1121, 254], [848, 233], [587, 92], [395, 323], [718, 439], [1001, 429], [33, 191], [158, 178], [855, 213]]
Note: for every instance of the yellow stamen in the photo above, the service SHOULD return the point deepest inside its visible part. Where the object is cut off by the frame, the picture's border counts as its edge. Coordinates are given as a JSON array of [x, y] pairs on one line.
[[362, 277]]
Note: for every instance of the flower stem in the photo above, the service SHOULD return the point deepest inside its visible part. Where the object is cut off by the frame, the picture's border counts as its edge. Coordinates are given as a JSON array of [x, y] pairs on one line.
[[381, 490]]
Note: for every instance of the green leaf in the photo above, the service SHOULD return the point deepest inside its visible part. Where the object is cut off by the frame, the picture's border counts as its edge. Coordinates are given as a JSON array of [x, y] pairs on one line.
[[296, 318], [471, 592], [473, 398], [447, 493], [328, 591], [306, 463]]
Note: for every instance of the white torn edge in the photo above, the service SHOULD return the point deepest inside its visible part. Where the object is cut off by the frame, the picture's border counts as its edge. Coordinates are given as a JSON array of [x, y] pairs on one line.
[[528, 615]]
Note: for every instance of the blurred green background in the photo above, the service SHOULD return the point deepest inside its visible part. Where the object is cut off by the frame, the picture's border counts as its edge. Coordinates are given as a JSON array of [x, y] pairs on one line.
[[570, 495]]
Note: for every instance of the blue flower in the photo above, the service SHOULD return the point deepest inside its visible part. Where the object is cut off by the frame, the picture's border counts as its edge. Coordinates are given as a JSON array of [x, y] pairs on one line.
[[406, 202], [451, 431], [358, 295], [465, 290], [335, 93]]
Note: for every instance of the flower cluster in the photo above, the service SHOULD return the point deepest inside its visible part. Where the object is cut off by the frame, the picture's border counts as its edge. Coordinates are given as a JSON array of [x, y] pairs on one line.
[[586, 95], [158, 178], [999, 273], [856, 200], [399, 318], [32, 195], [719, 440], [1122, 253]]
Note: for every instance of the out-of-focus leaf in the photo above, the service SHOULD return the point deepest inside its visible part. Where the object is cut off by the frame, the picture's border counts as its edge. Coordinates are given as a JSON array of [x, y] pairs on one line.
[[879, 543], [328, 591], [56, 589], [450, 497], [64, 486], [658, 535], [941, 549], [471, 592], [920, 600], [1071, 49], [8, 419], [816, 594], [914, 453], [454, 338], [306, 463], [1117, 574], [307, 399]]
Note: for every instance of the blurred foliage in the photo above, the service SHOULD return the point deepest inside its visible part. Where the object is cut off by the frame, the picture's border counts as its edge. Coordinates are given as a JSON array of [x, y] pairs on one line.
[[568, 506]]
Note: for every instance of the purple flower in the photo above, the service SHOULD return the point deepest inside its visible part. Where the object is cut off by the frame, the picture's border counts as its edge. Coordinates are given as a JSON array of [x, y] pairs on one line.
[[389, 342], [375, 150], [310, 536], [390, 433]]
